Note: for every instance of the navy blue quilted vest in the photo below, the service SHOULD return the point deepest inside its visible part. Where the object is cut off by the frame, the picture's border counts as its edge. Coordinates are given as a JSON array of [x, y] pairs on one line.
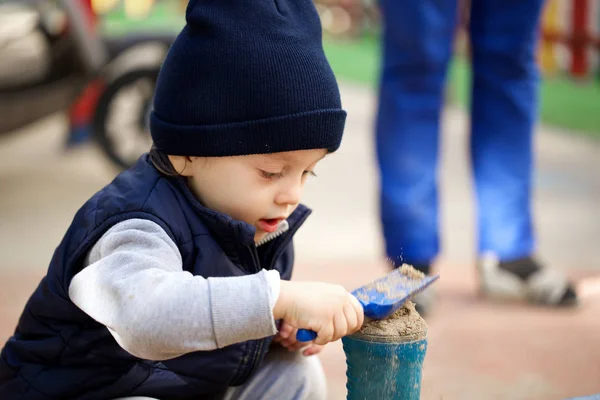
[[59, 352]]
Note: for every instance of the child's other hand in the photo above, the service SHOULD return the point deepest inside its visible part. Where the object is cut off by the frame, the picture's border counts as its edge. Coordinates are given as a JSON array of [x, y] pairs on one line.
[[327, 309], [286, 337]]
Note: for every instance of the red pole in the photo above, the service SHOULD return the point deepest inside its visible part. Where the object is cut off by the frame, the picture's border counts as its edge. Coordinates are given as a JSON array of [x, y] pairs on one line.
[[90, 13], [579, 62], [82, 110]]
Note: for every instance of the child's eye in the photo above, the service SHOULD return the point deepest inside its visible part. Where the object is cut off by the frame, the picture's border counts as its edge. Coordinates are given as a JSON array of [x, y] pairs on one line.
[[270, 175], [311, 173]]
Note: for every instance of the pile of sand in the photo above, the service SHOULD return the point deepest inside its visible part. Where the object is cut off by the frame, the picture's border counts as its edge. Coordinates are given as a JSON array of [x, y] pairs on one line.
[[404, 325]]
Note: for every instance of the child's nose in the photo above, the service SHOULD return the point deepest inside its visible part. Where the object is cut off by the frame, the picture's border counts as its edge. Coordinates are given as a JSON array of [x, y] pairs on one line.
[[290, 195]]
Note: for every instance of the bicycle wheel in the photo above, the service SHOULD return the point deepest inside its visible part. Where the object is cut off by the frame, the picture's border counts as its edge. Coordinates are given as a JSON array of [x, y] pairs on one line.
[[121, 121]]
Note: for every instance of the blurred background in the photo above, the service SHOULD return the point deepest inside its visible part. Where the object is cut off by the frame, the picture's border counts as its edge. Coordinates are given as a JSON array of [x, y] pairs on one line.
[[76, 86]]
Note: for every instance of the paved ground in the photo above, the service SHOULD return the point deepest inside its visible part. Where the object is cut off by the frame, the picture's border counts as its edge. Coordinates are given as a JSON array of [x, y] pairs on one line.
[[477, 350]]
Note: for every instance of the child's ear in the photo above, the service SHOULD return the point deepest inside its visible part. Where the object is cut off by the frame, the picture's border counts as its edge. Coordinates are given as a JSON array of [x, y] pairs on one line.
[[182, 164]]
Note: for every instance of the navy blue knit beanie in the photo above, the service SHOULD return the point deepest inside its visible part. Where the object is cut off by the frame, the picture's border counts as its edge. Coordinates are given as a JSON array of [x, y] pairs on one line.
[[247, 77]]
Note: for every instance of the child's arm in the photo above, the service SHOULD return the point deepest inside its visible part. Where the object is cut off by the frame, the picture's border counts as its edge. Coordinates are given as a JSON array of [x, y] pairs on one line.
[[135, 286]]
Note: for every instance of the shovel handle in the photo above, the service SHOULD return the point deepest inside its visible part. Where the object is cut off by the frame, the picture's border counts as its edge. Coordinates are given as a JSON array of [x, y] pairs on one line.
[[304, 335]]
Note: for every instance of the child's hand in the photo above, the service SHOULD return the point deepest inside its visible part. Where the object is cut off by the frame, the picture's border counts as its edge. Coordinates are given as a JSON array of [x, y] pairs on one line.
[[286, 337], [327, 309]]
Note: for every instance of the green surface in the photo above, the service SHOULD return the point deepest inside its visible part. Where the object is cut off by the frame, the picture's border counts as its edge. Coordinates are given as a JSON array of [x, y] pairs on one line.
[[356, 60], [165, 17], [572, 105]]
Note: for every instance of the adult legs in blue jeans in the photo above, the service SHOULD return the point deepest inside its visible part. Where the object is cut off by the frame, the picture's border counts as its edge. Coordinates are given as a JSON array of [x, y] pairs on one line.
[[417, 42], [417, 47]]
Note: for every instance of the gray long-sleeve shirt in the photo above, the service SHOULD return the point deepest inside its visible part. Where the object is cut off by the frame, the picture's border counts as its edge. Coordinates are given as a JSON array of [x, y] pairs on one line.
[[135, 285]]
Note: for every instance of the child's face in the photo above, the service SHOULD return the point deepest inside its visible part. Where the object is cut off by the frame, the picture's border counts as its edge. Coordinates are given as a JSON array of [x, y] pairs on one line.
[[261, 189]]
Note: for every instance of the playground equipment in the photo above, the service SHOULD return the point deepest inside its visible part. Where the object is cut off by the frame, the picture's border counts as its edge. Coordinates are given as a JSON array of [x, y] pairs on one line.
[[570, 34]]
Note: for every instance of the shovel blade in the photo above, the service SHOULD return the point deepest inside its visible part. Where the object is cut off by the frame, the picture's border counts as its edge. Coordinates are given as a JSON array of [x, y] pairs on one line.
[[386, 295]]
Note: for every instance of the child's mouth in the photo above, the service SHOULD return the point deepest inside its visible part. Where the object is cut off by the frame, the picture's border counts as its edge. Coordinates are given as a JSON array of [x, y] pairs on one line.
[[269, 225]]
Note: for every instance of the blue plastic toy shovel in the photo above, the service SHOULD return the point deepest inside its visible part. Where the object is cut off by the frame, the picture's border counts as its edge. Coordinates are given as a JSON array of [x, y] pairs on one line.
[[382, 297]]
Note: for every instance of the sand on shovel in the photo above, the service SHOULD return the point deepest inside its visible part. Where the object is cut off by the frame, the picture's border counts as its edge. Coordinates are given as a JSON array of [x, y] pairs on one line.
[[403, 326]]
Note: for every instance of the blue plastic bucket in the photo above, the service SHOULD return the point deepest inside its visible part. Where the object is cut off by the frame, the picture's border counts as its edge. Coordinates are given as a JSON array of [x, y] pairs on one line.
[[383, 368]]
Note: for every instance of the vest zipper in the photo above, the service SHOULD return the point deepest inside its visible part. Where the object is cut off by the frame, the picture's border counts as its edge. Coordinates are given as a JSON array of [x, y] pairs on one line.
[[289, 233], [253, 364], [284, 226], [255, 259], [286, 239]]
